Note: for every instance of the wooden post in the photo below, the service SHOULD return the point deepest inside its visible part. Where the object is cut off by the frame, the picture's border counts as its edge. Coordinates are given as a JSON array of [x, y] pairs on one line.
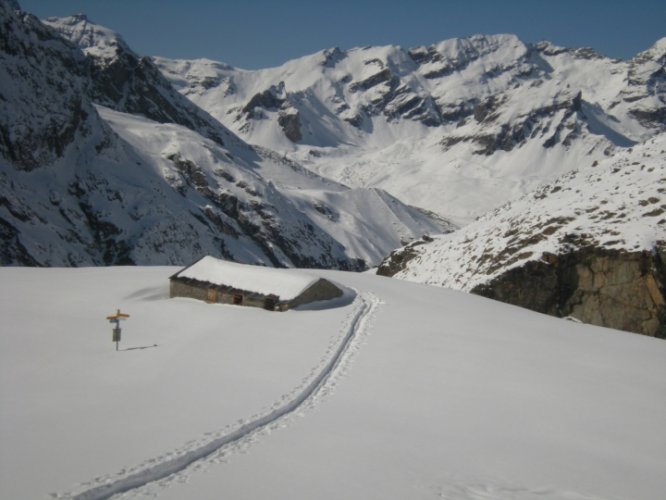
[[115, 319]]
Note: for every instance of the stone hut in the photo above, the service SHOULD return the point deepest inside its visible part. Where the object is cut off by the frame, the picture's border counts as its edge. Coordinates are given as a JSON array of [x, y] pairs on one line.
[[218, 281]]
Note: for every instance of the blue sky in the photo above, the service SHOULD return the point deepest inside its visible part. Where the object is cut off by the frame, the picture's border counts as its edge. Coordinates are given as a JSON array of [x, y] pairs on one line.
[[261, 33]]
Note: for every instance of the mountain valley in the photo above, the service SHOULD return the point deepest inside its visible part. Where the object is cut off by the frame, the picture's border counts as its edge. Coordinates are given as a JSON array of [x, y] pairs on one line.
[[492, 165]]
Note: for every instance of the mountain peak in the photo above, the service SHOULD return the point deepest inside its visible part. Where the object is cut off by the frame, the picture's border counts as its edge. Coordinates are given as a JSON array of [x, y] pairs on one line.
[[93, 39], [482, 43], [657, 52]]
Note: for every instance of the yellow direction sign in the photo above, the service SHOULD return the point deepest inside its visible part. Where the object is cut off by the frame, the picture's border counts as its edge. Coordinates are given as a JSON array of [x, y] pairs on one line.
[[117, 316]]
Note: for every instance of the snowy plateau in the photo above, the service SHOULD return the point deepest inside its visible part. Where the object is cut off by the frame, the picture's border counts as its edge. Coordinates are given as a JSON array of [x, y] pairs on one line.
[[528, 173], [401, 391]]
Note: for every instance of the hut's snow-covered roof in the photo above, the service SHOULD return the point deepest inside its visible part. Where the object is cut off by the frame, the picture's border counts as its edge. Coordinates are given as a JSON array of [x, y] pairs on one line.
[[285, 283]]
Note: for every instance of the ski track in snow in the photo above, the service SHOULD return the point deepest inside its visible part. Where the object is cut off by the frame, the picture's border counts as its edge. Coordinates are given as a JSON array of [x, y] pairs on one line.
[[497, 491], [180, 464]]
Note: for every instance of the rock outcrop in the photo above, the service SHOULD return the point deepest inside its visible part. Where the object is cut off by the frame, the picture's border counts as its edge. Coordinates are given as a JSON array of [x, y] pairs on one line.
[[291, 125], [399, 259], [615, 289]]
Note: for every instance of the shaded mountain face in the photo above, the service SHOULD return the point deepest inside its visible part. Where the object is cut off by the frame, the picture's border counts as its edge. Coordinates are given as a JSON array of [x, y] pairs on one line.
[[431, 122], [591, 245], [127, 82], [43, 108], [103, 163]]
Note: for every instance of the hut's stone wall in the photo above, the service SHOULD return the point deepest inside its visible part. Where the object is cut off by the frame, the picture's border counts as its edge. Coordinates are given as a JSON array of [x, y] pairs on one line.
[[190, 289], [207, 292], [183, 287]]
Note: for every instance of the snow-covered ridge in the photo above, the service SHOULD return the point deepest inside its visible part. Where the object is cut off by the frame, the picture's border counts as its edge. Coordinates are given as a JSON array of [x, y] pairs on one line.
[[619, 203], [125, 81], [489, 116], [43, 110], [95, 40]]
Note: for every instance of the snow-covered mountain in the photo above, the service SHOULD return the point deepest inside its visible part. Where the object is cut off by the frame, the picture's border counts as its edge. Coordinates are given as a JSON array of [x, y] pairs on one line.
[[124, 81], [110, 157], [591, 245], [571, 140], [458, 127], [103, 162]]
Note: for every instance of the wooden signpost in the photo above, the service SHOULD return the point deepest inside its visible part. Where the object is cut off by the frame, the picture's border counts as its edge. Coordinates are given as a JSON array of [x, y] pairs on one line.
[[115, 319]]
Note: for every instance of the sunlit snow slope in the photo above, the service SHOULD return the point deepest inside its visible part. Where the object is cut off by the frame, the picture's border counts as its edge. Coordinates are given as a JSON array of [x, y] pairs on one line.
[[419, 392]]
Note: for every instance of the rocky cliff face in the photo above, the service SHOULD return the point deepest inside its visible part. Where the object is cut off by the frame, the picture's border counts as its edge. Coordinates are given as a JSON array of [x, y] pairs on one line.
[[37, 126], [616, 289], [398, 260]]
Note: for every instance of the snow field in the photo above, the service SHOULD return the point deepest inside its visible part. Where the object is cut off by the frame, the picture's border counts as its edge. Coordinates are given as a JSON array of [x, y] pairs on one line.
[[108, 411], [453, 396], [181, 461], [447, 395]]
